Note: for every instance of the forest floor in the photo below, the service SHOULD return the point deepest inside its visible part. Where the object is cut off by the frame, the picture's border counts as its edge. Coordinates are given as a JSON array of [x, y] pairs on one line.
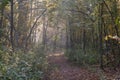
[[62, 69]]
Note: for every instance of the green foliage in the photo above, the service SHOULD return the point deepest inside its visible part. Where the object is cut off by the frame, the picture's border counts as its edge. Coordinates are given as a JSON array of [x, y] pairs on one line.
[[69, 54], [4, 3], [77, 56], [117, 21], [1, 33], [22, 66]]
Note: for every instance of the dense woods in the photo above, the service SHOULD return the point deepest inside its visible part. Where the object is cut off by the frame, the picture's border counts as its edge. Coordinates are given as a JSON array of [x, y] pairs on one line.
[[86, 31]]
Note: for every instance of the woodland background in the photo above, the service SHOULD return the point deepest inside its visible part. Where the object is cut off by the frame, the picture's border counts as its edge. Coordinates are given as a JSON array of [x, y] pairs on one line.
[[87, 31]]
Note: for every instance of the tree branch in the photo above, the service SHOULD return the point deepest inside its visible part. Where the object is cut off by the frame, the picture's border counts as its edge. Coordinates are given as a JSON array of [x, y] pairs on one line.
[[78, 11], [113, 21], [34, 26]]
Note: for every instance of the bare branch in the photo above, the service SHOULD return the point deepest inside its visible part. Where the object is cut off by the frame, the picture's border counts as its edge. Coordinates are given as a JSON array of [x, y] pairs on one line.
[[34, 26], [78, 11]]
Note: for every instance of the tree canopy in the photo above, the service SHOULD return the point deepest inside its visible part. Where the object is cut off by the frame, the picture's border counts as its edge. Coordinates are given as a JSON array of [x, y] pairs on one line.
[[87, 31]]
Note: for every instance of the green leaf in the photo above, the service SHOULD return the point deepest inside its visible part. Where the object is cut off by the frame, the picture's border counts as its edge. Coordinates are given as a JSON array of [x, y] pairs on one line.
[[4, 3], [117, 21]]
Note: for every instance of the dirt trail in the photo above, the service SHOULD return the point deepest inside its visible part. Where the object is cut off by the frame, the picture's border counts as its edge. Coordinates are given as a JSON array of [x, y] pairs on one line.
[[65, 71]]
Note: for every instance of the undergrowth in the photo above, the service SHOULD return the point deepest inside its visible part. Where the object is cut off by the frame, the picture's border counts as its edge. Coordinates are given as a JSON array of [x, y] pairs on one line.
[[77, 56], [22, 66]]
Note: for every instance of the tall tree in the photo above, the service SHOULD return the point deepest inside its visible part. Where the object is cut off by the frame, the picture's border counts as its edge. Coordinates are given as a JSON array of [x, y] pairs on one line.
[[12, 25]]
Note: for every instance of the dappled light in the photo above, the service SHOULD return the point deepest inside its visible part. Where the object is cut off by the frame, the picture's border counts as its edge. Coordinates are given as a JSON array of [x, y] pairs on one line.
[[56, 54], [59, 39]]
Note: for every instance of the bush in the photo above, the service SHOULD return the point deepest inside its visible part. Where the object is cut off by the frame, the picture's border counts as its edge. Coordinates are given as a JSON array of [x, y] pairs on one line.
[[91, 57], [22, 66]]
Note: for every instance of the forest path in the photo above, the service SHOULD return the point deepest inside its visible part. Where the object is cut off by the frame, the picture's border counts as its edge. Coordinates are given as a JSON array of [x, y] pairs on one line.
[[63, 70]]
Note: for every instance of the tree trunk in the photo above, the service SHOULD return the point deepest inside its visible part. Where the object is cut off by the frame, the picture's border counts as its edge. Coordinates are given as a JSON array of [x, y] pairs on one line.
[[11, 26], [100, 35], [1, 18]]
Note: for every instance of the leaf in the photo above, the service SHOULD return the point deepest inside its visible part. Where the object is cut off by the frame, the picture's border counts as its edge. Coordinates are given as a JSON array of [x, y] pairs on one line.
[[4, 3], [117, 21]]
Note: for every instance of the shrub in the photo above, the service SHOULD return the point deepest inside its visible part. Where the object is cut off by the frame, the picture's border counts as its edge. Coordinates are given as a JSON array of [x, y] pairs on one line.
[[22, 66], [77, 56]]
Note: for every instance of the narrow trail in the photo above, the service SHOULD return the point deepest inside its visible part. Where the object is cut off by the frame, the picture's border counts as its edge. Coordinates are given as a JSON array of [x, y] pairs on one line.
[[65, 71]]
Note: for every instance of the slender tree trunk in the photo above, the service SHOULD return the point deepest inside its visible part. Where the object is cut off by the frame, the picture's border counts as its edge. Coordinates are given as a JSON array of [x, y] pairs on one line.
[[84, 41], [44, 33], [56, 35], [11, 26], [100, 35], [1, 18], [67, 39]]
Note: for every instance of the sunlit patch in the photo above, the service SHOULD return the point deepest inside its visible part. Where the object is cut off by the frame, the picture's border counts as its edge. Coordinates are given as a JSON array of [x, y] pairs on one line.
[[55, 54], [108, 36], [112, 37]]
